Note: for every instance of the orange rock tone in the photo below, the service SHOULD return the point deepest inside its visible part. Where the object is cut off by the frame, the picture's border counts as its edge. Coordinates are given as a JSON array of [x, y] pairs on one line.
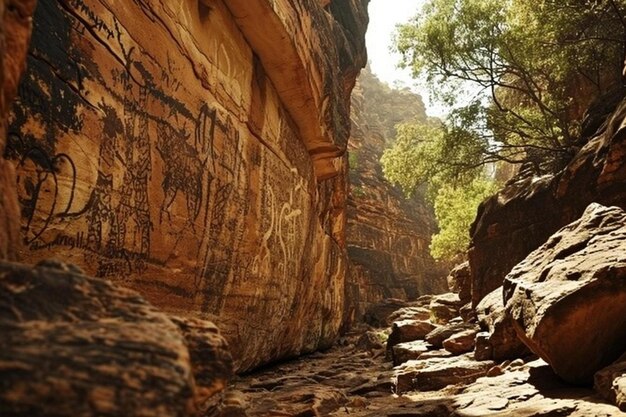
[[181, 149]]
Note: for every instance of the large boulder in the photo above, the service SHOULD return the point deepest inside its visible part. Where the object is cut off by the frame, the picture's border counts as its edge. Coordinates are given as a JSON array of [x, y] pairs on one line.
[[408, 331], [436, 373], [444, 307], [441, 333], [568, 298], [73, 345]]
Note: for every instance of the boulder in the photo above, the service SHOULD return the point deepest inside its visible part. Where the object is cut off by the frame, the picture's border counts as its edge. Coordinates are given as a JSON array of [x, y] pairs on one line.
[[459, 282], [73, 345], [444, 308], [483, 350], [408, 331], [436, 373], [441, 333], [532, 390], [468, 314], [410, 313], [610, 383], [568, 298], [377, 315], [407, 351], [461, 342], [505, 344]]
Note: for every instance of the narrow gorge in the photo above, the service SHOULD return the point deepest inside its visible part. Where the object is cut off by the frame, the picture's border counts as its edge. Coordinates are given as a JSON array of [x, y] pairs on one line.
[[195, 221]]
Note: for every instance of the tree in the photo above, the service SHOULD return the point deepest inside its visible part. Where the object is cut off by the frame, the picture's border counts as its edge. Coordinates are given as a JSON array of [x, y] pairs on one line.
[[418, 156], [518, 76], [533, 67]]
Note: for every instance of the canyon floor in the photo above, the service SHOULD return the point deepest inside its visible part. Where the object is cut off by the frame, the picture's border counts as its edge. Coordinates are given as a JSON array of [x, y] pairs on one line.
[[355, 379]]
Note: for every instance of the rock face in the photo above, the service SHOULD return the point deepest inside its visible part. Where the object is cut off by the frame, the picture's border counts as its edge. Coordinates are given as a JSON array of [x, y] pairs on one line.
[[568, 298], [78, 346], [182, 150], [388, 235], [526, 213], [15, 33]]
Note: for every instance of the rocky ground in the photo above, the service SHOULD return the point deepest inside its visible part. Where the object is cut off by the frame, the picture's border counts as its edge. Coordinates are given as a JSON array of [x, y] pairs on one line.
[[438, 376]]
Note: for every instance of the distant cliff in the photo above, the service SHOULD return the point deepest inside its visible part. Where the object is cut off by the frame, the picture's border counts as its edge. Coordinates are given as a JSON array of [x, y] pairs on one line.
[[388, 236], [190, 151]]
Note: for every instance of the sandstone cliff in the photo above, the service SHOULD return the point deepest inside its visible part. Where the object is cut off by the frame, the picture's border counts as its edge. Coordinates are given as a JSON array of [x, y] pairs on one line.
[[182, 150], [388, 235]]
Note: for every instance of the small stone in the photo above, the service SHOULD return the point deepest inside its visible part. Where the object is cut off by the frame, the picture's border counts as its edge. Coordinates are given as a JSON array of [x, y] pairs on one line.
[[517, 363], [460, 342]]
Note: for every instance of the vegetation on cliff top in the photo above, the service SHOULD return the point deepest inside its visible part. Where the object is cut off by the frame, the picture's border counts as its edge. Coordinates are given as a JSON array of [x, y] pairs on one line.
[[518, 76]]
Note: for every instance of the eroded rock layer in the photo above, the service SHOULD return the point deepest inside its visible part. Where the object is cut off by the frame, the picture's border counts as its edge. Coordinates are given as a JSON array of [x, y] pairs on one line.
[[388, 235], [162, 145]]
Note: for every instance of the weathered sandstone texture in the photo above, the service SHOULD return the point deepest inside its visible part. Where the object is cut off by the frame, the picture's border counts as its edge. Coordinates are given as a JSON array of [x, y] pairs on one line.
[[527, 212], [610, 383], [15, 30], [180, 149], [568, 298], [387, 235], [73, 345], [501, 338]]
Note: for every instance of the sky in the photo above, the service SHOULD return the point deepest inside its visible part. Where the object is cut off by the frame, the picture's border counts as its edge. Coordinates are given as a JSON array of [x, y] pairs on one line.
[[384, 16]]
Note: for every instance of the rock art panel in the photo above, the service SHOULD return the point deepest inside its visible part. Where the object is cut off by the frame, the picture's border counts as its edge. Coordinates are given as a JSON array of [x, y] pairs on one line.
[[152, 149]]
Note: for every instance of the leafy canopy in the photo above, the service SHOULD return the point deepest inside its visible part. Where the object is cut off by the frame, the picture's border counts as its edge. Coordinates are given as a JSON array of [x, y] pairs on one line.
[[518, 76], [529, 68]]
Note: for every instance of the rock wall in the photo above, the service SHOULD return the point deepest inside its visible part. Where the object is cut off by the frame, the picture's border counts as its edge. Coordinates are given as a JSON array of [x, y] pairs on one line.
[[388, 235], [181, 149], [528, 211], [15, 33]]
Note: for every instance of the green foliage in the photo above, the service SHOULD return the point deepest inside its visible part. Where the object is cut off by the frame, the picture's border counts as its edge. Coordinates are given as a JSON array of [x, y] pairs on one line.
[[518, 76], [455, 209], [353, 160], [427, 153], [537, 65]]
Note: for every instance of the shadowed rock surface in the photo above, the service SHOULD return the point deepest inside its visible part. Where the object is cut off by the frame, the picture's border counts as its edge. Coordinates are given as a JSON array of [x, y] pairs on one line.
[[78, 346]]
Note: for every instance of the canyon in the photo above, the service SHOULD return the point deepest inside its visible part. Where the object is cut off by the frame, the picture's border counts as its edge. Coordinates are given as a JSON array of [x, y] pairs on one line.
[[194, 222]]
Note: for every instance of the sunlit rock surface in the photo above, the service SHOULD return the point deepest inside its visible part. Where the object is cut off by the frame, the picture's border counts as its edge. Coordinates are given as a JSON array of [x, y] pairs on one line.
[[180, 149]]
